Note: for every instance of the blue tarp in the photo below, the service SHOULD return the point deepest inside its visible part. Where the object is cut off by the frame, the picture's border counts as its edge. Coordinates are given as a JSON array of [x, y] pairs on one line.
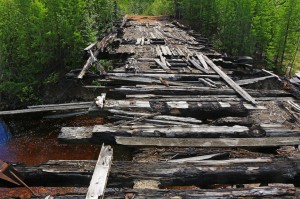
[[4, 133]]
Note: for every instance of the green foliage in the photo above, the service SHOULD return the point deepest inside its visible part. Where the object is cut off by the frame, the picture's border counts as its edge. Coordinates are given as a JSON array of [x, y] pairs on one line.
[[146, 7], [41, 36], [268, 30], [53, 78]]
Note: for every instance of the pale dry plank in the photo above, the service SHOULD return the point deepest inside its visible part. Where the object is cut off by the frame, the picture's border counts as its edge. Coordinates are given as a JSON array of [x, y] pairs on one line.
[[227, 79], [98, 183], [204, 143]]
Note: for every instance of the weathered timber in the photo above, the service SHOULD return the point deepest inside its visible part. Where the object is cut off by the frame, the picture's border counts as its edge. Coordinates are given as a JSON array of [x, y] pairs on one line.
[[199, 110], [227, 79], [195, 91], [76, 135], [276, 191], [62, 107], [245, 121], [205, 82], [162, 65], [99, 179], [149, 80], [152, 121], [202, 61], [174, 77], [196, 65], [272, 192], [202, 98], [158, 117], [107, 133], [252, 81], [207, 172], [217, 142]]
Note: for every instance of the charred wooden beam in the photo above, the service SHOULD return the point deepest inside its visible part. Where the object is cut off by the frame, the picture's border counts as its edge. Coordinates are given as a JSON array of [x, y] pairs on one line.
[[123, 174]]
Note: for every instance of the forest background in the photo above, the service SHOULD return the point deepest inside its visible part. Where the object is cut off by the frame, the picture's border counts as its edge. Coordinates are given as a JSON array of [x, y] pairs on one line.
[[41, 40]]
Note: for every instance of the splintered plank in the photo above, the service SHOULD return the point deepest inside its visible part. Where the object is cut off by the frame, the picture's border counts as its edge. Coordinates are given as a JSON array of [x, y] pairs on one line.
[[98, 183], [162, 65], [197, 66], [203, 143], [201, 59], [229, 81], [59, 107]]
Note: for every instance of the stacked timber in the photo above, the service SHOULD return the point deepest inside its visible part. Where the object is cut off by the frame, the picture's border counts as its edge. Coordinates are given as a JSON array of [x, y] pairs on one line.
[[198, 123]]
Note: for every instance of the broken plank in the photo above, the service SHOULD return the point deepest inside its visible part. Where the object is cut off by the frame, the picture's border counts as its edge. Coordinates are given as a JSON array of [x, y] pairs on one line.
[[162, 65], [196, 65], [202, 61], [163, 50], [253, 80], [159, 117], [227, 79], [195, 91], [204, 143], [97, 186]]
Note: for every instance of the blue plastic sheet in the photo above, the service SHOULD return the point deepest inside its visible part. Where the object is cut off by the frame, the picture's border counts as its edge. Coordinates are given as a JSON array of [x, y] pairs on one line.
[[5, 134]]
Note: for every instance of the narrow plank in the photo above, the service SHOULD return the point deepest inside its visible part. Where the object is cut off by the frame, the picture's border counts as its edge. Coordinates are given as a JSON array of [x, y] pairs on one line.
[[198, 66], [99, 180], [162, 65], [253, 80], [202, 61], [204, 143], [227, 79], [168, 50]]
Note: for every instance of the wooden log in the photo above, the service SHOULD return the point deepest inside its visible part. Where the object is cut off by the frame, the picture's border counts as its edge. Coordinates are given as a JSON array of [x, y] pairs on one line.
[[106, 133], [230, 142], [199, 110], [98, 183], [195, 91], [123, 174], [227, 79]]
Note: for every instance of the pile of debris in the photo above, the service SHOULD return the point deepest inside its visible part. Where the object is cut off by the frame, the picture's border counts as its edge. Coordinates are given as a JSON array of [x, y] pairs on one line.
[[201, 124]]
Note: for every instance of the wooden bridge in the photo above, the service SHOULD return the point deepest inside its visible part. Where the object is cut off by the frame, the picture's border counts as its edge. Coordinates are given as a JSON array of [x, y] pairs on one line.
[[200, 124]]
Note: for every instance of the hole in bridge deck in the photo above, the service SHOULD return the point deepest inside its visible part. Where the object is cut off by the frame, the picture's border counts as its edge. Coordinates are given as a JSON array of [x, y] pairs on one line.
[[34, 141]]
